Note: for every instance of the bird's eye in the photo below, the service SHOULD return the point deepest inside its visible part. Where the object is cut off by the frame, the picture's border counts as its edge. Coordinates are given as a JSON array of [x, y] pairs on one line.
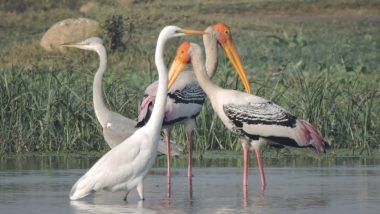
[[226, 32]]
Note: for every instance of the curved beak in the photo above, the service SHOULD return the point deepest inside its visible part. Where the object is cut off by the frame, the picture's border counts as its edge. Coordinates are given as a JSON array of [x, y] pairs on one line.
[[232, 54], [175, 70], [192, 32]]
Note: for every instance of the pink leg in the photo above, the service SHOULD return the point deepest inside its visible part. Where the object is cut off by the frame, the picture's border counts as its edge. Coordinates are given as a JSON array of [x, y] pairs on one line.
[[245, 178], [261, 168], [167, 133], [167, 139], [190, 156], [246, 160]]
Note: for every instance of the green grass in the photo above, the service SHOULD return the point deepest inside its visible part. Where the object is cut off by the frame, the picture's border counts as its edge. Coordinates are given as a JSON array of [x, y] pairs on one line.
[[319, 60]]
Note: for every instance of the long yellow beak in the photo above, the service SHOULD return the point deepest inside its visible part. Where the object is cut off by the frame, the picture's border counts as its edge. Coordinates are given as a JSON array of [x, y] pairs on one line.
[[175, 70], [232, 54], [192, 32], [70, 45]]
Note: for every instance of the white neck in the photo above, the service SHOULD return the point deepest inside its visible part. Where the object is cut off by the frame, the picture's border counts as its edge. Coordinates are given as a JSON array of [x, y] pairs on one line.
[[155, 121], [210, 43], [101, 110], [200, 71]]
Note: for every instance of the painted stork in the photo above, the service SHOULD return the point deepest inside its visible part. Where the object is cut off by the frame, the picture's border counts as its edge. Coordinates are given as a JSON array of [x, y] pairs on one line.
[[186, 97], [257, 121]]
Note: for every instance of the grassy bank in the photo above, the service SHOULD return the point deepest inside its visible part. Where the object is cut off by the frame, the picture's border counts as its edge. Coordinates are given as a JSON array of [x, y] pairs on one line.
[[319, 60]]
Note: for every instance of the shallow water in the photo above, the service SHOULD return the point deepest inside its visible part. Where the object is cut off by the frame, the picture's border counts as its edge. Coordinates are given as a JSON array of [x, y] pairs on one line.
[[40, 184]]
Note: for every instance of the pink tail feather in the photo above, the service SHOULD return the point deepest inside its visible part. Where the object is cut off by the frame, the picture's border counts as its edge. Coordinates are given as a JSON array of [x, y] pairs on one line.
[[144, 107], [311, 136]]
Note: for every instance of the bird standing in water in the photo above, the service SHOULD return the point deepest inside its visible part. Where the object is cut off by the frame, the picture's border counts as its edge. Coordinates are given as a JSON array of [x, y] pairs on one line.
[[185, 97], [257, 121], [125, 166]]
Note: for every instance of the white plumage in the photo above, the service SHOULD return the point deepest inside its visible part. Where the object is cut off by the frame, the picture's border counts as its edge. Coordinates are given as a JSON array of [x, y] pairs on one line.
[[116, 127], [125, 166]]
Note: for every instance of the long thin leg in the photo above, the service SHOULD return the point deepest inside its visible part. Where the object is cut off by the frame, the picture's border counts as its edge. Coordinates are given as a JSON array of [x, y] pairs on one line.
[[261, 168], [167, 139], [246, 162], [140, 190], [190, 156], [245, 178]]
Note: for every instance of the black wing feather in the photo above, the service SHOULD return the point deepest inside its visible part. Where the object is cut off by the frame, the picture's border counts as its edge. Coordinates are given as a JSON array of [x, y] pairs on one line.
[[189, 94]]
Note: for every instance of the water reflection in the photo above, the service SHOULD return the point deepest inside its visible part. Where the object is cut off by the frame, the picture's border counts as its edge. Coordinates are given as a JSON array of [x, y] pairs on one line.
[[42, 184], [86, 207]]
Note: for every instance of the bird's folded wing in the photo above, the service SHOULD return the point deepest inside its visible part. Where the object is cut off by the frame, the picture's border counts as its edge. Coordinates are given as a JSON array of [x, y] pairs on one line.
[[191, 93], [266, 113]]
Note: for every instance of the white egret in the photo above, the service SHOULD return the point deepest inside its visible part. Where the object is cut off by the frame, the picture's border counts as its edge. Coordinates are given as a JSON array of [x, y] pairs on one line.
[[125, 166], [116, 127]]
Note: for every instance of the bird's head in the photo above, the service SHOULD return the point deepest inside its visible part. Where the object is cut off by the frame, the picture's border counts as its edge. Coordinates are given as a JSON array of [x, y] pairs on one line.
[[183, 57], [174, 31], [87, 44], [224, 38]]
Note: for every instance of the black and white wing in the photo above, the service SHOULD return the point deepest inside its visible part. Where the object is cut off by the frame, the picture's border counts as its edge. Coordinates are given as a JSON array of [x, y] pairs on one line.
[[266, 113], [263, 120], [191, 93]]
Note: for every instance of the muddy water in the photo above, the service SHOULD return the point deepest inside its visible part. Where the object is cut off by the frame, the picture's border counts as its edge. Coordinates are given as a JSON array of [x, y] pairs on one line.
[[40, 184]]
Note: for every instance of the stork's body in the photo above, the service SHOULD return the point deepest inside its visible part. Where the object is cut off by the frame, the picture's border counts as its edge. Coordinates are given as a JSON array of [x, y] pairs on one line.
[[125, 166], [184, 103], [254, 119], [185, 96]]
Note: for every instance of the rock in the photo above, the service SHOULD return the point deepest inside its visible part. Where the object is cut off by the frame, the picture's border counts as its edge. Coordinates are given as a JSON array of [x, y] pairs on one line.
[[88, 7], [68, 30]]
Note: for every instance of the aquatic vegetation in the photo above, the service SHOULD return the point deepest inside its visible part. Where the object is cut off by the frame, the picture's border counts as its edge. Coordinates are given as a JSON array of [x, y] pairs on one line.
[[323, 68]]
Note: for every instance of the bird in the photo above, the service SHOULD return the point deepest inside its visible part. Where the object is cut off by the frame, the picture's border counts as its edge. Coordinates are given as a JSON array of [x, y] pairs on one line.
[[258, 122], [185, 97], [125, 166], [116, 127]]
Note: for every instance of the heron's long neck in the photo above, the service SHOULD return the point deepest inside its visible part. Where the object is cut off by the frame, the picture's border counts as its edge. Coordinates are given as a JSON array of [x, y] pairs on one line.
[[200, 72], [101, 110], [210, 44], [157, 116]]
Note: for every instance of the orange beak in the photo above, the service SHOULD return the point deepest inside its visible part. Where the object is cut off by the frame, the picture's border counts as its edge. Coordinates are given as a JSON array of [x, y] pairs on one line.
[[179, 63], [232, 54], [182, 57], [176, 68]]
